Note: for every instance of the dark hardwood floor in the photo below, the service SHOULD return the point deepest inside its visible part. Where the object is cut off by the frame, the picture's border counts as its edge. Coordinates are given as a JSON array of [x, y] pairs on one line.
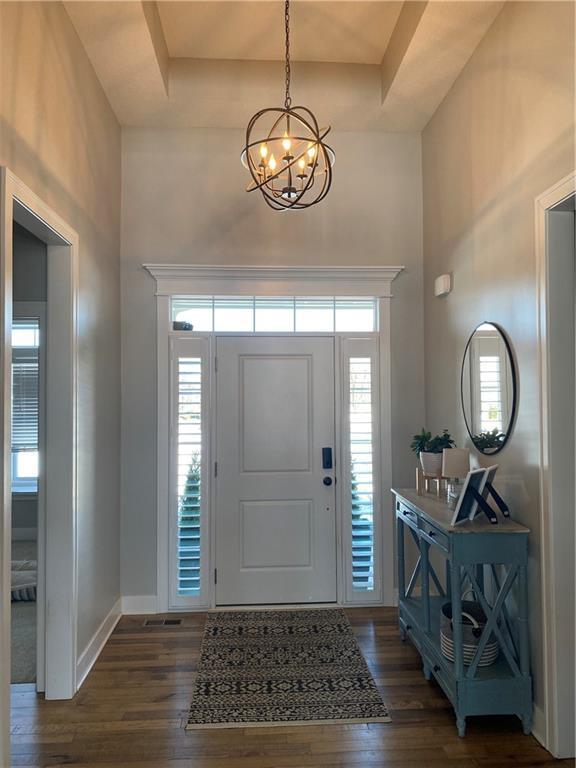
[[129, 712]]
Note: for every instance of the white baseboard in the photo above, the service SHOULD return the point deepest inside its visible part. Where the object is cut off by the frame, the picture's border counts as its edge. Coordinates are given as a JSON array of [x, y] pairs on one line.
[[92, 651], [134, 604], [24, 534], [539, 725]]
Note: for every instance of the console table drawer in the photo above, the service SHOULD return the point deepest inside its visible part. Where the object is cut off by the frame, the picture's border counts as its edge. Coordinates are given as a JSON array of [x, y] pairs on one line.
[[408, 515], [434, 535]]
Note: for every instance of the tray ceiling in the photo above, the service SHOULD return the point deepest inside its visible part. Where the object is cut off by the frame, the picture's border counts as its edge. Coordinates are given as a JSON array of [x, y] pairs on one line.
[[359, 64], [354, 32]]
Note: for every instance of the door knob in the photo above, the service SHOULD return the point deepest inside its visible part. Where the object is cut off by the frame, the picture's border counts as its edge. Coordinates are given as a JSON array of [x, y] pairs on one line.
[[327, 481]]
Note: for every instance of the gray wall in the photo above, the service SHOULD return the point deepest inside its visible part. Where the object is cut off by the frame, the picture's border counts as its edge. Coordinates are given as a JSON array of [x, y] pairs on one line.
[[59, 135], [29, 268], [502, 136], [183, 201]]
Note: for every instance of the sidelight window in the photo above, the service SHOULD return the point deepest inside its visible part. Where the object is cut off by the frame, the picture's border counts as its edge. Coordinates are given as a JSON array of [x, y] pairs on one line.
[[188, 529], [360, 490], [361, 472]]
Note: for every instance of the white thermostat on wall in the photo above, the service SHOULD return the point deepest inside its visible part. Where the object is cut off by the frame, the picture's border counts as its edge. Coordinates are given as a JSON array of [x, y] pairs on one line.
[[443, 285]]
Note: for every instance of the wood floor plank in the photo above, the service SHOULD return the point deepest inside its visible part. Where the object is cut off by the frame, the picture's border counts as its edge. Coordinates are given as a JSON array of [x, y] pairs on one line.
[[130, 713]]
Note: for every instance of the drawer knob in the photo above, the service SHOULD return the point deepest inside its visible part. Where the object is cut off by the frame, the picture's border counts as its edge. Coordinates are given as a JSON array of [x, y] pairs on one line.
[[436, 668], [432, 533]]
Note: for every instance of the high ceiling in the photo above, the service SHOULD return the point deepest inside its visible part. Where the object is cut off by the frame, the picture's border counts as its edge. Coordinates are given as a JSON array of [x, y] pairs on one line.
[[378, 65], [346, 32]]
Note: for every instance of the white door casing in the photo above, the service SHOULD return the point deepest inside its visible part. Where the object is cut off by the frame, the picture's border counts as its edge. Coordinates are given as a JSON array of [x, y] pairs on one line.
[[275, 516], [177, 280], [554, 725]]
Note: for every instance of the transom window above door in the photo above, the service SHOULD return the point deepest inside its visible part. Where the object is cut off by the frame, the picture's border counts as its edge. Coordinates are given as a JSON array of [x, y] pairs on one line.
[[282, 314]]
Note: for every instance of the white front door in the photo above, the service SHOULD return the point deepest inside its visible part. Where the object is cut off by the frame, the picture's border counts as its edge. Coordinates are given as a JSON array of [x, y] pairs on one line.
[[275, 490]]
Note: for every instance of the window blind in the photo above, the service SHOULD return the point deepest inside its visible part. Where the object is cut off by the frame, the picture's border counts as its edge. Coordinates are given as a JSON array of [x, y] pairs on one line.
[[189, 473], [25, 392], [361, 472]]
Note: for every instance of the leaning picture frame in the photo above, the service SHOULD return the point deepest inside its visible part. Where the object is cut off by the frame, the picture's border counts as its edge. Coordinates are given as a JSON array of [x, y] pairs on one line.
[[485, 492], [467, 502]]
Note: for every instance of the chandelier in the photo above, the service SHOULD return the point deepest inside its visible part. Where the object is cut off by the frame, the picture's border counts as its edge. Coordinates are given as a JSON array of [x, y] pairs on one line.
[[285, 151]]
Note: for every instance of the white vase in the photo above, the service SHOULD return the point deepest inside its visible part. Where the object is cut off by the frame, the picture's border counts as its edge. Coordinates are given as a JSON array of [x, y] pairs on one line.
[[431, 463]]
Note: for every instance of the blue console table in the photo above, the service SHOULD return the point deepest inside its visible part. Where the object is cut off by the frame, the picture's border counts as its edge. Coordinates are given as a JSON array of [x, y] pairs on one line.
[[489, 560]]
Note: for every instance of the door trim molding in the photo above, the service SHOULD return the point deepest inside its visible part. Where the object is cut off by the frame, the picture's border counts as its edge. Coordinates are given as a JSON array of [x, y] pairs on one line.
[[182, 279], [18, 202], [551, 523], [197, 280]]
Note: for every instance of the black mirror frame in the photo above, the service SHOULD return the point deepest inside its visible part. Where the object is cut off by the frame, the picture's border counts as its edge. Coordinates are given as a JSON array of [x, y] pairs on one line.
[[514, 386]]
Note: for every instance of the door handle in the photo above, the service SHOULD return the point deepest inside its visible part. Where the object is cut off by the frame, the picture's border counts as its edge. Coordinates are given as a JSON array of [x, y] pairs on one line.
[[326, 458], [327, 481]]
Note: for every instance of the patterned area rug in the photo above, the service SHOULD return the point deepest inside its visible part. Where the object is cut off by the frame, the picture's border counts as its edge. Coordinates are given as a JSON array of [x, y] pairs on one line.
[[282, 668]]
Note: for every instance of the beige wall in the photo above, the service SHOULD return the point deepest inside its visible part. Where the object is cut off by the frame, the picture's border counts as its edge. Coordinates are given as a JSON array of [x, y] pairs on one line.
[[59, 135], [183, 201], [503, 135]]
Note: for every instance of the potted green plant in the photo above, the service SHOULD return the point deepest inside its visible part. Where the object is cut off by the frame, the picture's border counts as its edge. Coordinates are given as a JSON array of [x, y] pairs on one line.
[[489, 441], [429, 450]]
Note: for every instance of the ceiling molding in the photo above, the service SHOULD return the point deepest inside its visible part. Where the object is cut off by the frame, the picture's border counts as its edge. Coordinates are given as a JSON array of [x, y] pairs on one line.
[[181, 279]]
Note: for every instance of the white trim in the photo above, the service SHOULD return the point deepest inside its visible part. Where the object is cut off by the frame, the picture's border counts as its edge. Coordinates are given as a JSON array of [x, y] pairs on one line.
[[24, 534], [20, 204], [136, 604], [385, 361], [539, 725], [162, 452], [5, 457], [553, 586], [90, 654], [197, 280]]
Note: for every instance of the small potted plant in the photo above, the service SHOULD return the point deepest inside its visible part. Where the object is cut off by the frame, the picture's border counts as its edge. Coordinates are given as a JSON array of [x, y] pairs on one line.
[[489, 441], [429, 450]]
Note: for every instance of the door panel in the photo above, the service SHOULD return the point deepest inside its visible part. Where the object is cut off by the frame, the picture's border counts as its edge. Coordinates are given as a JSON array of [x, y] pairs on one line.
[[275, 516], [275, 400]]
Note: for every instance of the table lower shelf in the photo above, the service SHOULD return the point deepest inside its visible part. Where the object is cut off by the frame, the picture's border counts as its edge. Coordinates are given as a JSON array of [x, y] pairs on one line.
[[494, 690]]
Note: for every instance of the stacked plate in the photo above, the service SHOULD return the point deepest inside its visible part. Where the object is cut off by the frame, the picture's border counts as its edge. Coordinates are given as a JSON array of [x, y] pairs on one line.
[[473, 623]]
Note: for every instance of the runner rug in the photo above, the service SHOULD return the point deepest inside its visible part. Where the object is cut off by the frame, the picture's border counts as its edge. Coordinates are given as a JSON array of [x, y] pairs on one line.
[[282, 668]]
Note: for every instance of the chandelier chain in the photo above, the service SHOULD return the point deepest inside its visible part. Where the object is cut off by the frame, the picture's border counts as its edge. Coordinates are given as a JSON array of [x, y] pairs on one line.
[[288, 98]]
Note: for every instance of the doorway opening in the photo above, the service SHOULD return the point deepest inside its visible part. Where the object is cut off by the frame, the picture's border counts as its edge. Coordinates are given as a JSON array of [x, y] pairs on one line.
[[38, 281], [28, 456]]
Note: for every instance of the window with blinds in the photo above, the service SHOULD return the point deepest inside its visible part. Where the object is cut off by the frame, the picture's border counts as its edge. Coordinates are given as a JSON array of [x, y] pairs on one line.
[[361, 472], [491, 416], [25, 404], [189, 474]]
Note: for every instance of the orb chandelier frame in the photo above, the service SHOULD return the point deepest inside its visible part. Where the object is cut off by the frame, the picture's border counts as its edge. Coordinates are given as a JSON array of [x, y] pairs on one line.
[[289, 163]]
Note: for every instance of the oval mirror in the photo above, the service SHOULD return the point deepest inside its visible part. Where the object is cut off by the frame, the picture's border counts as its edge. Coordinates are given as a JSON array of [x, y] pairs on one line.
[[488, 386]]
